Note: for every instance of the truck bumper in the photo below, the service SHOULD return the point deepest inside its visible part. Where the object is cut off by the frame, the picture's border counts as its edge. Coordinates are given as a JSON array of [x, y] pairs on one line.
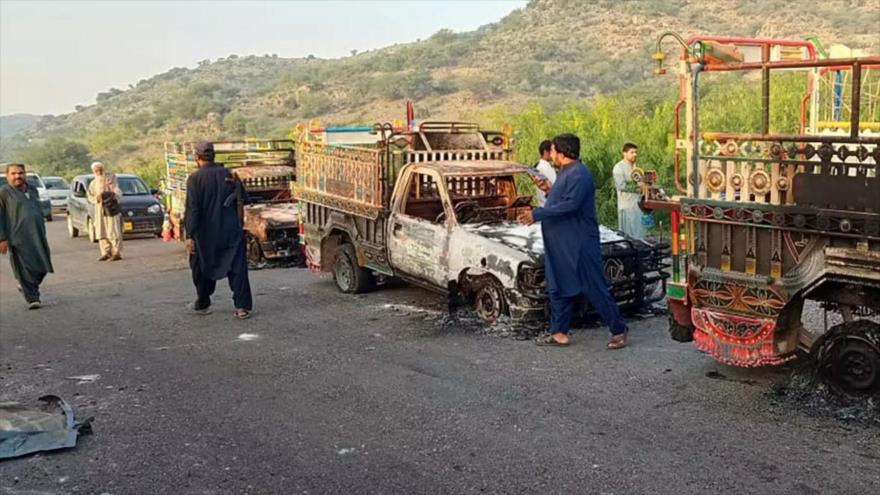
[[525, 308]]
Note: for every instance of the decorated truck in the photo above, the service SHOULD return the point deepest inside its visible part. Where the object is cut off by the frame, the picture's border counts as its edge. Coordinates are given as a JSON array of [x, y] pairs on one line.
[[436, 205], [267, 170], [767, 222]]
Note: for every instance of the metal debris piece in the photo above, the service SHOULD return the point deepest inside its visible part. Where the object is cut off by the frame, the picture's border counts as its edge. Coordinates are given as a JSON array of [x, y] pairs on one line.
[[51, 425]]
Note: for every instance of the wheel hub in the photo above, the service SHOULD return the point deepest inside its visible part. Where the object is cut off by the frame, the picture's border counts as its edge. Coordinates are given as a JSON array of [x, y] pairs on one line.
[[343, 275]]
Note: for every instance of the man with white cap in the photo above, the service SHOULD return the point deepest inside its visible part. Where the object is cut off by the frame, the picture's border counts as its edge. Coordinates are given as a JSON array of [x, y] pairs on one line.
[[105, 194]]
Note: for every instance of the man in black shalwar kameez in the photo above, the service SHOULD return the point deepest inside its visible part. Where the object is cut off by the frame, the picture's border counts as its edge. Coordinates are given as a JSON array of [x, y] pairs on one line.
[[215, 237], [23, 233]]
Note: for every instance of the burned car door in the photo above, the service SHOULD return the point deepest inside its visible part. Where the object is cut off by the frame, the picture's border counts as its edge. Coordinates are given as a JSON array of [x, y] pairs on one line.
[[418, 237]]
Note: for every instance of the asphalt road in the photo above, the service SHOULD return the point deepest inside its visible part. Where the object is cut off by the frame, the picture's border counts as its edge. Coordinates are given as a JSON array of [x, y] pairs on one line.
[[379, 394]]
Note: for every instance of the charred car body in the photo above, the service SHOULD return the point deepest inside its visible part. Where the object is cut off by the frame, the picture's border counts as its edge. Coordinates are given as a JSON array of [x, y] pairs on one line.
[[768, 221], [267, 170], [437, 207]]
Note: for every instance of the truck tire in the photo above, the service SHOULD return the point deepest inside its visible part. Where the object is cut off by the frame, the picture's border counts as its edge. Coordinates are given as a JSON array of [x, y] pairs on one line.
[[253, 249], [679, 332], [350, 277], [72, 231], [489, 301], [847, 357]]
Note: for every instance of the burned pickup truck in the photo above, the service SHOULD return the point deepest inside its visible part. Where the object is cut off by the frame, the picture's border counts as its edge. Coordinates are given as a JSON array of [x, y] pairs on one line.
[[436, 206], [267, 169]]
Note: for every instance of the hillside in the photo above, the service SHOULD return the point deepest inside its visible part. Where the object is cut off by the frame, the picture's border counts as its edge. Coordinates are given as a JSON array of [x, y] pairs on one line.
[[550, 52], [11, 125]]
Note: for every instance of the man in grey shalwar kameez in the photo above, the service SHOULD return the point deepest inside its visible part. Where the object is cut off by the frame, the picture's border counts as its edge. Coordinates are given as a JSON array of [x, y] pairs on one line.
[[108, 229], [23, 233], [629, 215]]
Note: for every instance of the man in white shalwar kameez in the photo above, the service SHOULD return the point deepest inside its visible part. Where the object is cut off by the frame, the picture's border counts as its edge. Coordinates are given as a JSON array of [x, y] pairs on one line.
[[629, 215], [108, 229]]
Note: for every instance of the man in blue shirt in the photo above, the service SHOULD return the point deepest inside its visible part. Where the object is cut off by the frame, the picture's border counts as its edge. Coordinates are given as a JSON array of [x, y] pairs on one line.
[[572, 254]]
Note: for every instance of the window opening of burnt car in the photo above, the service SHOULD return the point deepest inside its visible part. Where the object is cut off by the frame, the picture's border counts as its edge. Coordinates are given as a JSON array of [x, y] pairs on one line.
[[423, 198], [486, 199]]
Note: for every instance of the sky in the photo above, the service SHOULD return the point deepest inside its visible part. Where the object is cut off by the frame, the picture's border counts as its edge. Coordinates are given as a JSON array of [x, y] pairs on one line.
[[56, 55]]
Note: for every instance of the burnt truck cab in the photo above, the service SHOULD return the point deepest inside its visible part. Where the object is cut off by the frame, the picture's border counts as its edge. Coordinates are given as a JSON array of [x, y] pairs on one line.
[[437, 207], [267, 169], [453, 224]]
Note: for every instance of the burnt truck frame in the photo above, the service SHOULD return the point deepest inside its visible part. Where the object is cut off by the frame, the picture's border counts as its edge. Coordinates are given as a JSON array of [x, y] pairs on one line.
[[267, 169], [437, 206], [766, 221]]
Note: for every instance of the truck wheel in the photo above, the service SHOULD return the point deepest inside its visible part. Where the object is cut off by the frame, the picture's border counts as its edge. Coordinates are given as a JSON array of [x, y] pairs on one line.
[[489, 302], [90, 226], [254, 251], [679, 332], [848, 357], [349, 276], [71, 230]]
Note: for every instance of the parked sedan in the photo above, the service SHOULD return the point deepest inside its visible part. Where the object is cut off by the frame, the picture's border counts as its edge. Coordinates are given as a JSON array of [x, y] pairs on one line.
[[59, 191], [141, 212]]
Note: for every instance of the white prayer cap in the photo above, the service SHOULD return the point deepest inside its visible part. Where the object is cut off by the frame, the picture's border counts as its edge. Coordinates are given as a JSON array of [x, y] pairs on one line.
[[96, 165]]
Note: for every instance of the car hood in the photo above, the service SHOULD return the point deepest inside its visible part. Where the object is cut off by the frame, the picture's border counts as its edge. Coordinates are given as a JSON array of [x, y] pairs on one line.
[[138, 201], [528, 238]]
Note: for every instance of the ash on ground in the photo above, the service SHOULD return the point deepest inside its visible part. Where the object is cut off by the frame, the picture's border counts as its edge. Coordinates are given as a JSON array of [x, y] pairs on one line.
[[265, 264], [804, 390]]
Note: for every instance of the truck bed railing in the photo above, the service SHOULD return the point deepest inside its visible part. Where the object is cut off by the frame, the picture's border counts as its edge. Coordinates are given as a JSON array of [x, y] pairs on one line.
[[453, 155]]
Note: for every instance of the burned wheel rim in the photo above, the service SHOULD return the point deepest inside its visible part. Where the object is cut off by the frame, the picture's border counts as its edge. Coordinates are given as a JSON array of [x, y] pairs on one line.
[[855, 366], [489, 302], [343, 273], [848, 357], [254, 252]]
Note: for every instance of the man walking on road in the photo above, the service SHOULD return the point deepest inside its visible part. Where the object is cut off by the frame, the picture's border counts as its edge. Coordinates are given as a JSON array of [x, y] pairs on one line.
[[572, 254], [23, 233], [105, 194], [215, 237], [629, 215]]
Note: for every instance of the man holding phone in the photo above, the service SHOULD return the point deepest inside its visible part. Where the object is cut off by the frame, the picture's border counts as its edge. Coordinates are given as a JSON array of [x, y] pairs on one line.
[[572, 251], [543, 175]]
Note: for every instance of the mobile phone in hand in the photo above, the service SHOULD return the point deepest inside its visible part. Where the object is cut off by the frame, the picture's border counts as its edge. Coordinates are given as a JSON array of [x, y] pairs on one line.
[[536, 174]]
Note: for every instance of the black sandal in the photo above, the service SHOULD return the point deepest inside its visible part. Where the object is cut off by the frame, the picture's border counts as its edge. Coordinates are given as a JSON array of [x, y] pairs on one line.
[[549, 341]]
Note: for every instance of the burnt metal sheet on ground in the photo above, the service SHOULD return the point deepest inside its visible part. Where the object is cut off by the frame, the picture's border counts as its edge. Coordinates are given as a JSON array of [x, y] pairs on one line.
[[50, 425]]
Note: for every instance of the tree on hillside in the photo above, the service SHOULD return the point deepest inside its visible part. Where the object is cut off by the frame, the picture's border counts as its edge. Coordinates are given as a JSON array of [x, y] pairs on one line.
[[58, 156]]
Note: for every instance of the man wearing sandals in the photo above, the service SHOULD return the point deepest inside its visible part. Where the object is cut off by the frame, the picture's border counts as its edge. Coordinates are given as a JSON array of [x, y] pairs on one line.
[[215, 237], [572, 254]]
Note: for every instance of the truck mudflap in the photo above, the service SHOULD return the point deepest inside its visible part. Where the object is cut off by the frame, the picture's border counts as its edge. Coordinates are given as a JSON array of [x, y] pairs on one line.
[[737, 340]]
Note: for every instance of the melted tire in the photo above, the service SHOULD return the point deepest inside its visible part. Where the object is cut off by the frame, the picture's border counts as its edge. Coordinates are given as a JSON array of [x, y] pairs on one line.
[[679, 332], [847, 357], [489, 302]]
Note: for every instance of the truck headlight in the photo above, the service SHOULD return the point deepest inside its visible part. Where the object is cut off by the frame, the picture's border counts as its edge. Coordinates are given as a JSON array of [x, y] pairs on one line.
[[154, 209]]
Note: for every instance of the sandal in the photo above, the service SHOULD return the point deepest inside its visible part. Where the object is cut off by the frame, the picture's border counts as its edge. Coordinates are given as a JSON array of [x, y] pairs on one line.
[[242, 314], [549, 341], [617, 341]]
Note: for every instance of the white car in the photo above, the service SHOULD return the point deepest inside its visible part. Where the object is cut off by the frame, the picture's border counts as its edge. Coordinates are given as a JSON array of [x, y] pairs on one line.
[[59, 192], [36, 181]]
